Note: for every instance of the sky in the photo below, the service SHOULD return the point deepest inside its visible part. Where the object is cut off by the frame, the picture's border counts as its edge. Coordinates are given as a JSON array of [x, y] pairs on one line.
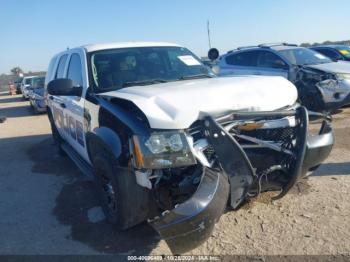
[[32, 31]]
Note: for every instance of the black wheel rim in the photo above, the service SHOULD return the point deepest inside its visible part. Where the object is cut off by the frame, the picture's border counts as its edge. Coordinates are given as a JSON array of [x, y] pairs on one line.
[[109, 193]]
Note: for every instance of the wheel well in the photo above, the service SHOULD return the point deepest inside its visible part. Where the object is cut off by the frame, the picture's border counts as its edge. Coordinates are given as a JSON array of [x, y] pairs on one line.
[[96, 142], [49, 113]]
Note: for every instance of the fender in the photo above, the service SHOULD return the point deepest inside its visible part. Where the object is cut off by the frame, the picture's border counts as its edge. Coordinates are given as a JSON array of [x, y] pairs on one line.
[[109, 139], [120, 110]]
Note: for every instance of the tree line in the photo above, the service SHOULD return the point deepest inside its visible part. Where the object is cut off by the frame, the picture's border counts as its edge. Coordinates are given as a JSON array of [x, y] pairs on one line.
[[5, 79], [346, 42]]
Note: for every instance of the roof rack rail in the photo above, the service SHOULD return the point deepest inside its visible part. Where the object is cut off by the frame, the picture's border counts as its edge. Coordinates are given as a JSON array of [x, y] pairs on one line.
[[246, 47], [268, 45]]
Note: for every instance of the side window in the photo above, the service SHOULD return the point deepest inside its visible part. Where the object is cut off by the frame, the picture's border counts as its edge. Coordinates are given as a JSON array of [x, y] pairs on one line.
[[50, 69], [74, 70], [248, 58], [270, 60], [329, 53], [60, 68]]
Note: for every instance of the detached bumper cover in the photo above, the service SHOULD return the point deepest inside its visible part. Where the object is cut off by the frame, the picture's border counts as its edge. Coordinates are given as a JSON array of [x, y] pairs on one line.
[[318, 148], [192, 222]]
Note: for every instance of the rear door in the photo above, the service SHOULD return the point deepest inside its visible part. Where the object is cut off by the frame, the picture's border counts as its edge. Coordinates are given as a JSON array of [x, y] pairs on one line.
[[240, 63], [270, 64]]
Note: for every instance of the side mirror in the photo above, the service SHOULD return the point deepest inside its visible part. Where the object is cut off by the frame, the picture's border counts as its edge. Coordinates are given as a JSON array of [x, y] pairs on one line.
[[213, 54], [63, 87]]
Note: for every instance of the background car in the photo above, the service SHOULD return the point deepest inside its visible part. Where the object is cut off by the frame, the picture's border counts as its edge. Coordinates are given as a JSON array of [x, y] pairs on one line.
[[322, 83], [334, 52], [25, 85], [36, 94]]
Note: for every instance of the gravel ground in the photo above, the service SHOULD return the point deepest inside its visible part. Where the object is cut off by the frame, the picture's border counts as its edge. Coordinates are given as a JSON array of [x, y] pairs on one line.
[[47, 207]]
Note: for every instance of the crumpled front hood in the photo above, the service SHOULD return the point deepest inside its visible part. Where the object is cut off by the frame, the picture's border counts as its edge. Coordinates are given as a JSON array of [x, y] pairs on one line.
[[176, 105], [334, 67]]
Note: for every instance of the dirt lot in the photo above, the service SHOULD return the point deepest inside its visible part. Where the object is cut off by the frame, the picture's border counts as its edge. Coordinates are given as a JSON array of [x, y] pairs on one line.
[[47, 207]]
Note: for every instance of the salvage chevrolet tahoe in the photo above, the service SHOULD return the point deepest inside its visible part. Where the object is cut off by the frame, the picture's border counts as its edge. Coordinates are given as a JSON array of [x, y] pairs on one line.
[[169, 142]]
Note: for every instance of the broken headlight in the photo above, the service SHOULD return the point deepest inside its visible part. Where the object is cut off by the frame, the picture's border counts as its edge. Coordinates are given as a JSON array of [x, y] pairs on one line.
[[342, 76], [329, 84], [162, 150]]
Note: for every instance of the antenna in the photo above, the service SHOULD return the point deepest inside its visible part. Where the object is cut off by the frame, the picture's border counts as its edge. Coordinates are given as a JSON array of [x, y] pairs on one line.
[[208, 34]]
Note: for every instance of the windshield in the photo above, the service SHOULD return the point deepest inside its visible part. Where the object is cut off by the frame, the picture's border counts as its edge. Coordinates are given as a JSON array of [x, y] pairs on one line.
[[304, 56], [118, 68], [344, 50], [38, 82], [28, 81]]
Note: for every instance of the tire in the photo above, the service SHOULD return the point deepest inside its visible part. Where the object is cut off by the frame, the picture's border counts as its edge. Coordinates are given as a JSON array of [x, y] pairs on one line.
[[123, 201]]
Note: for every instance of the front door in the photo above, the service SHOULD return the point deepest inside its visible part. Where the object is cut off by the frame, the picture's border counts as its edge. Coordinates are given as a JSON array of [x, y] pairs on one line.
[[74, 105]]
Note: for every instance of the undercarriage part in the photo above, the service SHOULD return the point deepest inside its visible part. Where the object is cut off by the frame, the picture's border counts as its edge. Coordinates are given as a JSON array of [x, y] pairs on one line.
[[143, 178], [190, 223]]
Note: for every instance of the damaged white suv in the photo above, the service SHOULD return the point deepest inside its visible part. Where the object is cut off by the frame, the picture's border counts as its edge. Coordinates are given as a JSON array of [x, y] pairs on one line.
[[169, 142]]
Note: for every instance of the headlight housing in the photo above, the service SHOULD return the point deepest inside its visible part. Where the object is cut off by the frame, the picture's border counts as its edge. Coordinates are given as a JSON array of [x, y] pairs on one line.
[[162, 150], [342, 76], [329, 84]]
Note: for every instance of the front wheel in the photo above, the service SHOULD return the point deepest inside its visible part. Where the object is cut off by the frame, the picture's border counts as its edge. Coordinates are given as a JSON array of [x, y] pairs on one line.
[[107, 188], [123, 201]]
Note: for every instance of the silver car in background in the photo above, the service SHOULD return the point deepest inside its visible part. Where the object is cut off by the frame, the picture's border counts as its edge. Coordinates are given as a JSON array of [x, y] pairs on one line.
[[322, 83], [27, 82], [36, 94]]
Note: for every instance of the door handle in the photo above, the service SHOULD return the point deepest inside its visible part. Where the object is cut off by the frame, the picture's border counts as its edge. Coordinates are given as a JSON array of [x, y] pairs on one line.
[[51, 97], [63, 105]]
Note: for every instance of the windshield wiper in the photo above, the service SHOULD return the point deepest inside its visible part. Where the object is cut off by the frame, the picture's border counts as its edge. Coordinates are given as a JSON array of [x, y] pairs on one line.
[[195, 76], [144, 82]]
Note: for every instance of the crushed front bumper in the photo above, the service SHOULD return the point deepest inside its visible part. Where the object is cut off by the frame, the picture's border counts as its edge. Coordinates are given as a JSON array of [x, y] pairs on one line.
[[318, 148], [189, 224]]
